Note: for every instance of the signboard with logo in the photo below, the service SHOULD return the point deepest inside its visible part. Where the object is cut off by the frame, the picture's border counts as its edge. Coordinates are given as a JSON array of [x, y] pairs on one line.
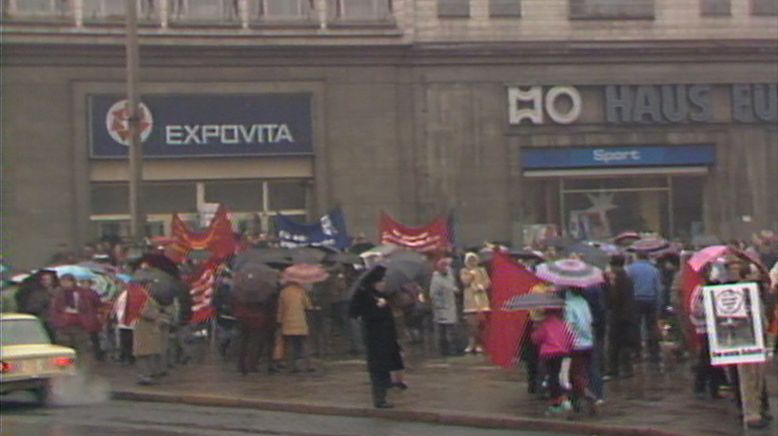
[[732, 316], [203, 125], [604, 157]]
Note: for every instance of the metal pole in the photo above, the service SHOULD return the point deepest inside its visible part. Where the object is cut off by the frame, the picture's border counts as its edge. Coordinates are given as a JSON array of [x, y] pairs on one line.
[[137, 220]]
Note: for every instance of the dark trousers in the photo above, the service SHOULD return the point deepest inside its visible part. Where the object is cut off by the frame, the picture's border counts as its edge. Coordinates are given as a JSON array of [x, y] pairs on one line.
[[619, 348], [380, 381], [251, 343], [705, 374], [531, 358], [446, 339], [125, 346], [594, 369], [647, 318], [579, 373], [553, 367]]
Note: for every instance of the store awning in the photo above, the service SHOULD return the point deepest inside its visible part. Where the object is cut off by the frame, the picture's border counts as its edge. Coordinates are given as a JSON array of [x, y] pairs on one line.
[[607, 172]]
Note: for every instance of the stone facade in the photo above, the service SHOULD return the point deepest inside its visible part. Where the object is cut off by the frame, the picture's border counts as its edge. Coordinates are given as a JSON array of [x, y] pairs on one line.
[[410, 116]]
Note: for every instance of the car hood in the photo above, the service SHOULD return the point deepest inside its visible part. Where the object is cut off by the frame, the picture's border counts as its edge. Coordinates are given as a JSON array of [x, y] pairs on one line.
[[33, 351]]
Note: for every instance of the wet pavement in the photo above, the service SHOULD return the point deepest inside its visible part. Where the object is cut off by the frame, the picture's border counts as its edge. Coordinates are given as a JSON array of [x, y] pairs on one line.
[[122, 418], [466, 385]]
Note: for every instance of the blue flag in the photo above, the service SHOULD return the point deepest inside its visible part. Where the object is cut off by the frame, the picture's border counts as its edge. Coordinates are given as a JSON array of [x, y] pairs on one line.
[[330, 231]]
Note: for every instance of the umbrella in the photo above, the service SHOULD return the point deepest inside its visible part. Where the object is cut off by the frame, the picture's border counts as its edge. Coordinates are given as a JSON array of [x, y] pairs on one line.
[[267, 256], [626, 238], [588, 253], [162, 286], [705, 240], [361, 247], [160, 262], [304, 274], [570, 272], [254, 283], [79, 272], [707, 255], [404, 267], [347, 258], [98, 267], [609, 249], [306, 255], [650, 245], [534, 301], [384, 250]]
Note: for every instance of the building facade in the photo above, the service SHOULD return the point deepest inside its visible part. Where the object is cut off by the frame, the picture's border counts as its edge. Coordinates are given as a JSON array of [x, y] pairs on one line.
[[593, 115]]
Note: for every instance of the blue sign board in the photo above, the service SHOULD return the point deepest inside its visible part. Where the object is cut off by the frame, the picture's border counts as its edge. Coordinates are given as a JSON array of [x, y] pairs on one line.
[[330, 231], [203, 125], [618, 157]]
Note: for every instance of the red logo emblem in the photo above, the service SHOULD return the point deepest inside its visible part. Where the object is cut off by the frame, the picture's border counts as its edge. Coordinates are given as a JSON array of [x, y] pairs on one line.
[[118, 125]]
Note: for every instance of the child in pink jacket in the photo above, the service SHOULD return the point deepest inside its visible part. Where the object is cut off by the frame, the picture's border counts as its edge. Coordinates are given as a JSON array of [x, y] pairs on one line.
[[555, 342]]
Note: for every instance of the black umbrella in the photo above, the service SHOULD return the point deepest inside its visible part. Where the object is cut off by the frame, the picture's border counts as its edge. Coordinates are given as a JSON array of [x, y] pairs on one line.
[[162, 286], [254, 283], [306, 255], [405, 267], [345, 258], [361, 247], [160, 262], [588, 253], [268, 256]]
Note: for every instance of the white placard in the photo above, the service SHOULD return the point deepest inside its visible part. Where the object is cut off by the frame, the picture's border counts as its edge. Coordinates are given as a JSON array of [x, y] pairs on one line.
[[732, 315]]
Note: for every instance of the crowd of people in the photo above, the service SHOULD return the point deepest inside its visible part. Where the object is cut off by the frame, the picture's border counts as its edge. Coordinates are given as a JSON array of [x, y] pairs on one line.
[[597, 333]]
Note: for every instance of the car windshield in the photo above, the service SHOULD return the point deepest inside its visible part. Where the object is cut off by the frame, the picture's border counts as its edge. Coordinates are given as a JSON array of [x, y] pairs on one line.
[[22, 332]]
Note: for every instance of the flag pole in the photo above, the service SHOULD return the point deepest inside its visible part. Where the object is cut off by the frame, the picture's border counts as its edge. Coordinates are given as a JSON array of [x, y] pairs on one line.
[[135, 176]]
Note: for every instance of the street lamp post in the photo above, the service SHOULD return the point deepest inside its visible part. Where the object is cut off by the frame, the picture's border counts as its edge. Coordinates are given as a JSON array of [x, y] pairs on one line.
[[134, 118]]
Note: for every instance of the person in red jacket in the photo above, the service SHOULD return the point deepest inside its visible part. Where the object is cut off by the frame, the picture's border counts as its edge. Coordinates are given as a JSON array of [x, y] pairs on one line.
[[555, 342], [74, 316]]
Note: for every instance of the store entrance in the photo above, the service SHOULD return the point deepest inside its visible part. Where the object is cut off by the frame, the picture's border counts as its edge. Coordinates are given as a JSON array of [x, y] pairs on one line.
[[600, 208]]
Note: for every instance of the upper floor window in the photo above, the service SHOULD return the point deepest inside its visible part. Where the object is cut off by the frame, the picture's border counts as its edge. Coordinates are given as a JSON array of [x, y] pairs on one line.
[[361, 10], [454, 8], [37, 8], [504, 8], [715, 8], [282, 10], [116, 9], [205, 11], [612, 9], [764, 7]]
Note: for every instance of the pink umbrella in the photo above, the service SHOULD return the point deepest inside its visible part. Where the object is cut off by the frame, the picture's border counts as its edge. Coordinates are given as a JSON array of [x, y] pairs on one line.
[[570, 272], [707, 255], [304, 274]]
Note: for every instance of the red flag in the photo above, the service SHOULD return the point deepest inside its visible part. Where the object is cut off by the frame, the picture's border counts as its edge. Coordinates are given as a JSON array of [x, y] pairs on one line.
[[202, 290], [218, 238], [137, 297], [690, 279], [432, 237], [506, 329]]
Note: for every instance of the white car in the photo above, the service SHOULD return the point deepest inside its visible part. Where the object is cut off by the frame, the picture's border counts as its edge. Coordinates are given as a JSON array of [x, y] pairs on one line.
[[28, 360]]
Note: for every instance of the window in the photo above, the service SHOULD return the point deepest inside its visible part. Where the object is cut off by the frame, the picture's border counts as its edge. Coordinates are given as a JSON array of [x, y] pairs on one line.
[[38, 8], [288, 10], [204, 11], [169, 197], [764, 7], [360, 10], [237, 196], [504, 8], [612, 9], [715, 8], [148, 10], [453, 8], [287, 194], [110, 199]]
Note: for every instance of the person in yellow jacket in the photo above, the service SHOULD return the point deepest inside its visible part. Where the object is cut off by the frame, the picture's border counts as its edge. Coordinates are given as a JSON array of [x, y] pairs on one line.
[[476, 300], [292, 306]]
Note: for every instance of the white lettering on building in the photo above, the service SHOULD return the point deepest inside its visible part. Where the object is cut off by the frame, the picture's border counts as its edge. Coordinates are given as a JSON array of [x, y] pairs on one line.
[[604, 156], [213, 134], [531, 104]]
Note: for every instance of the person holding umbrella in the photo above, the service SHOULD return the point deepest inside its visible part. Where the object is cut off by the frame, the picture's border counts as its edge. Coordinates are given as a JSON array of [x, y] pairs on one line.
[[74, 315], [370, 304], [293, 303]]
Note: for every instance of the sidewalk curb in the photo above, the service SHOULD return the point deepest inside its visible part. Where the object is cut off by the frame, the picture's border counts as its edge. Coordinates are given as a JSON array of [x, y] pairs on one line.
[[431, 417]]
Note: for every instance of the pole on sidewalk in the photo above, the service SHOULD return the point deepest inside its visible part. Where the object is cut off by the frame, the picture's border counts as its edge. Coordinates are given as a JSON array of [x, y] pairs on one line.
[[137, 221]]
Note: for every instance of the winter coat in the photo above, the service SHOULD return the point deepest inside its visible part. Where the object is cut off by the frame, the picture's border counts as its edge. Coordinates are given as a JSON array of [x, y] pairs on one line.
[[477, 284], [257, 316], [35, 300], [292, 304], [579, 318], [443, 290], [383, 350], [147, 336], [553, 337], [84, 314], [622, 316]]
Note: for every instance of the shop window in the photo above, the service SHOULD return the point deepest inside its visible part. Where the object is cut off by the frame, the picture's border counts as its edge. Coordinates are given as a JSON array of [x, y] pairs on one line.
[[239, 195], [204, 11], [97, 10], [504, 8], [178, 197], [764, 7], [687, 206], [282, 10], [110, 199], [289, 195], [453, 8], [612, 9], [715, 8]]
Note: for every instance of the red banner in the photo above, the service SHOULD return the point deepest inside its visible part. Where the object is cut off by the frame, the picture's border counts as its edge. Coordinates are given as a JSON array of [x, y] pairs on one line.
[[202, 290], [432, 237], [506, 329], [218, 238]]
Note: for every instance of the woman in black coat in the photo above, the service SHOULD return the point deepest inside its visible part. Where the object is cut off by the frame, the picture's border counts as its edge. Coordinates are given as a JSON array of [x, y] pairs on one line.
[[371, 305], [622, 327]]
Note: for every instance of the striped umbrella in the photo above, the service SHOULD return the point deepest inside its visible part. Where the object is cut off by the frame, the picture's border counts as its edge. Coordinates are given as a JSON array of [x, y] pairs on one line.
[[534, 301], [626, 238], [570, 272], [655, 246], [304, 274]]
